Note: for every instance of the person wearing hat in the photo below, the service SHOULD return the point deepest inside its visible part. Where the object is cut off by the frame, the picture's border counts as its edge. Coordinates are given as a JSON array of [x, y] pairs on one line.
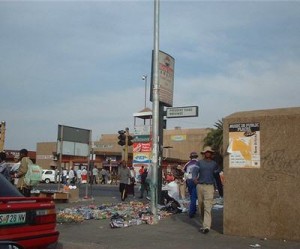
[[188, 176], [204, 179]]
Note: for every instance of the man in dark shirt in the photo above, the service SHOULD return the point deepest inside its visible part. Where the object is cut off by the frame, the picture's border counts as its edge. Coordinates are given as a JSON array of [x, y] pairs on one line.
[[144, 183], [203, 176]]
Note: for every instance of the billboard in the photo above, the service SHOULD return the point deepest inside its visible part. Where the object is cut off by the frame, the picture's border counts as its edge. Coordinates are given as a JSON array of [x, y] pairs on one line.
[[73, 141]]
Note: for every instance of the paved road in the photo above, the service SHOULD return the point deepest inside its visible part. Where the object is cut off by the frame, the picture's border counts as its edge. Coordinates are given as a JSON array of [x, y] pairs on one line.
[[177, 231]]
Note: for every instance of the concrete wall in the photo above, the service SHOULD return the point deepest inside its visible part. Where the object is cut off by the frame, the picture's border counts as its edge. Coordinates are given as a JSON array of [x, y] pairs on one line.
[[264, 201], [183, 141], [44, 154]]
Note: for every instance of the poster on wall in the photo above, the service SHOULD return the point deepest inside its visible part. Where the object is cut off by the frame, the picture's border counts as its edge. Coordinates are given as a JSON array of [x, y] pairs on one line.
[[244, 145]]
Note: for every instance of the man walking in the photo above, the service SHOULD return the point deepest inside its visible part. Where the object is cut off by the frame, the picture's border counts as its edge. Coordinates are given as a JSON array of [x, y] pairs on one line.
[[188, 175], [124, 176], [95, 173], [204, 179]]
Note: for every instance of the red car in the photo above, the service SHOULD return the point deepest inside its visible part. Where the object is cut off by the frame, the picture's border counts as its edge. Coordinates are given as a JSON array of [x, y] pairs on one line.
[[28, 221]]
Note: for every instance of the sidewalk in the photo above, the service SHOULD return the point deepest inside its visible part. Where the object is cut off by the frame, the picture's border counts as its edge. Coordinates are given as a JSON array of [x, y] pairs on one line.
[[176, 231]]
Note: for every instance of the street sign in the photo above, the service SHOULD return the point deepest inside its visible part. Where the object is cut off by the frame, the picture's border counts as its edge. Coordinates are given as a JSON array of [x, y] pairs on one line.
[[182, 112], [141, 138]]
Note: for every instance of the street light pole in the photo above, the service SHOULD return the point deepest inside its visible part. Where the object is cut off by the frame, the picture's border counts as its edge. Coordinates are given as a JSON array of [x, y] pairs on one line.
[[155, 116], [145, 79]]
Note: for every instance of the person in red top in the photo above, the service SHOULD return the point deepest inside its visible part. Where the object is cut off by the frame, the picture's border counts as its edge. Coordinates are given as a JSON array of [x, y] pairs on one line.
[[142, 169]]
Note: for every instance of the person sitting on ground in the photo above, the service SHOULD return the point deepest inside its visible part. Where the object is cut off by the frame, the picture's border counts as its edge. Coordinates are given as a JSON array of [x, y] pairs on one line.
[[170, 195]]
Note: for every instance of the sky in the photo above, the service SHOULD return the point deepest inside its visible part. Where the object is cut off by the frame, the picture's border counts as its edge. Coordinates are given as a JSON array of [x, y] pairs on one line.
[[80, 63]]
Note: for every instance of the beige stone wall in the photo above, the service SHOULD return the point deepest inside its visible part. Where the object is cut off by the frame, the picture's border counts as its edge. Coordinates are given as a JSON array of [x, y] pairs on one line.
[[44, 154], [265, 202], [183, 142]]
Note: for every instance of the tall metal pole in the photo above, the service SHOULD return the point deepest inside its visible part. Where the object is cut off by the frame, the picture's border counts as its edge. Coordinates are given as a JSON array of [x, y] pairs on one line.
[[155, 116], [89, 168], [61, 154]]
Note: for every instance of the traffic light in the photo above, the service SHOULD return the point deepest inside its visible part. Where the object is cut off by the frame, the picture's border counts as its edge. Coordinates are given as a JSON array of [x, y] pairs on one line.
[[122, 137], [130, 138]]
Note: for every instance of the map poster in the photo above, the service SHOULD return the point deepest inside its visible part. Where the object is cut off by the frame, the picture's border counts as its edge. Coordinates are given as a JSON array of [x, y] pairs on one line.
[[244, 145]]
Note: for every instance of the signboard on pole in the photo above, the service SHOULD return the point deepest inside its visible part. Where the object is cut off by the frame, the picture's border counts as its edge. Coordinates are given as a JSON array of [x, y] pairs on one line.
[[166, 78], [142, 147], [73, 141], [166, 65], [141, 138], [182, 112]]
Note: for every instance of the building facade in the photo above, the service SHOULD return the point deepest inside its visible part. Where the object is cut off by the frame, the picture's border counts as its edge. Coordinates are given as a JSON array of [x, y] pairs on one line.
[[177, 145]]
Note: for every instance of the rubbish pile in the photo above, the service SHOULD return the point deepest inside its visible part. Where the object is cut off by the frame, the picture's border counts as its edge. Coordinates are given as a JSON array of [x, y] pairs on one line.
[[121, 214]]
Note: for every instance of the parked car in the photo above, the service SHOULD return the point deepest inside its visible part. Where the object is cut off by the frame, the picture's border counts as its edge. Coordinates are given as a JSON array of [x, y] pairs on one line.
[[28, 221], [48, 175]]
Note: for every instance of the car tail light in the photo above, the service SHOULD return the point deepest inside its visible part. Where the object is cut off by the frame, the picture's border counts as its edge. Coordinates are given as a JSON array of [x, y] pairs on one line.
[[45, 216]]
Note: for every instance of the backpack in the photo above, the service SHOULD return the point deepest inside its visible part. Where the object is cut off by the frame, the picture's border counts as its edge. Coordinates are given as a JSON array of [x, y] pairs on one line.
[[33, 175]]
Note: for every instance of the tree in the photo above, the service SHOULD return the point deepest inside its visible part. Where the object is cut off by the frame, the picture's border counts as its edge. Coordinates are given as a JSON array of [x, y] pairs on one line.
[[214, 138]]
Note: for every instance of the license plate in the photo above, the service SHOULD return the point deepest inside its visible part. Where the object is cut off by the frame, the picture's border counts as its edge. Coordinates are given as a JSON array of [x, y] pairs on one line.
[[12, 218]]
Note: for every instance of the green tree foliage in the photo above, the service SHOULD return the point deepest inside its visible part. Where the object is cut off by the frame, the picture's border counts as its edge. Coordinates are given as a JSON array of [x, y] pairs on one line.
[[215, 137]]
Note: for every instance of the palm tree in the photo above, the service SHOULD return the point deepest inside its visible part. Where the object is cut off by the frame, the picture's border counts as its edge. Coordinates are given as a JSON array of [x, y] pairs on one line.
[[214, 138]]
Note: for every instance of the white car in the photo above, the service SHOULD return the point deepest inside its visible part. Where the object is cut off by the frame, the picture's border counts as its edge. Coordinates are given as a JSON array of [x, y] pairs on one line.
[[48, 175]]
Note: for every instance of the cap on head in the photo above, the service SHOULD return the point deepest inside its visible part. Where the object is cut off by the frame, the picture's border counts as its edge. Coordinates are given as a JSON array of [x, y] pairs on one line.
[[207, 149], [193, 154]]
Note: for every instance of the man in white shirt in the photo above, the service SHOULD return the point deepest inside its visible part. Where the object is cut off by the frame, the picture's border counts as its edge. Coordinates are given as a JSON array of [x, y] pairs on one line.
[[71, 176], [95, 173], [78, 173]]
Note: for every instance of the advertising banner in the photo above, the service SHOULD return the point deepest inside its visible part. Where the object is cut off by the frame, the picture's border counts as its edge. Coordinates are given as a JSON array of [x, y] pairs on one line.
[[142, 157], [142, 147], [244, 145]]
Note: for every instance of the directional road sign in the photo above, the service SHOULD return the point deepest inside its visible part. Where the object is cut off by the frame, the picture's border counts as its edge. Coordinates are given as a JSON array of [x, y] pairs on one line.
[[182, 112]]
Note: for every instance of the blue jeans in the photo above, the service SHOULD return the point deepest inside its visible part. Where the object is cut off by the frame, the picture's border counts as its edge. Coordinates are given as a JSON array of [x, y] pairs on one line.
[[193, 196]]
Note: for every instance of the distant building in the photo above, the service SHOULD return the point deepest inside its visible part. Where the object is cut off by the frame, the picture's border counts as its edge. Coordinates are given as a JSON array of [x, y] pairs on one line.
[[177, 145]]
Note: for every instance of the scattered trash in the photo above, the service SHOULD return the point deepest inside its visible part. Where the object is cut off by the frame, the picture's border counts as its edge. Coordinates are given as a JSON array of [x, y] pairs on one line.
[[121, 214], [255, 246]]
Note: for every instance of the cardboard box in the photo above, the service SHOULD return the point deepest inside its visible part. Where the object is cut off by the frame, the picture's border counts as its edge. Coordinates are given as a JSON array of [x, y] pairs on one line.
[[73, 195], [60, 196]]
